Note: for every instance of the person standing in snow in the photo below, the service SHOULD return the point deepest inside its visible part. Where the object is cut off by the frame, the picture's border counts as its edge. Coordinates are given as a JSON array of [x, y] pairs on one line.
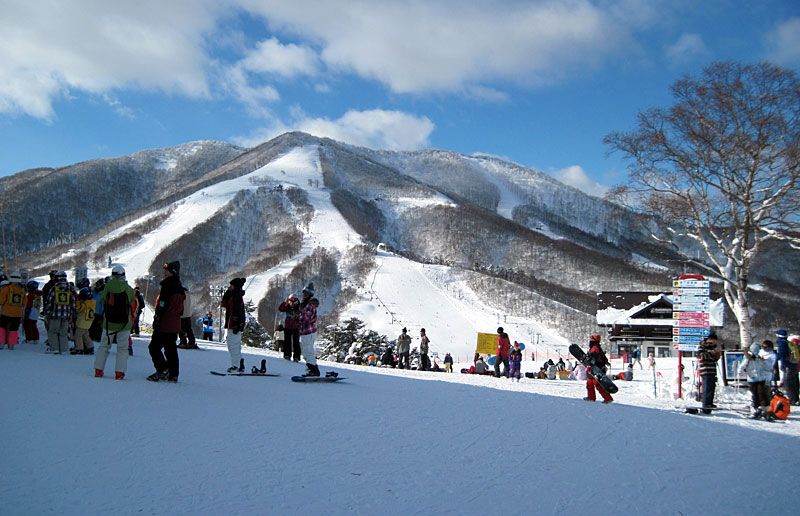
[[403, 349], [208, 326], [755, 369], [788, 367], [424, 345], [166, 325], [515, 361], [636, 357], [139, 309], [308, 329], [117, 298], [448, 363], [12, 306], [771, 360], [291, 331], [503, 350], [235, 318], [84, 309], [186, 335], [33, 306], [59, 308], [707, 357], [599, 358]]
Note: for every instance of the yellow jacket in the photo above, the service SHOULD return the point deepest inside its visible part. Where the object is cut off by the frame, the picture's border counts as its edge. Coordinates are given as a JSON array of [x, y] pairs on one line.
[[85, 310], [12, 300]]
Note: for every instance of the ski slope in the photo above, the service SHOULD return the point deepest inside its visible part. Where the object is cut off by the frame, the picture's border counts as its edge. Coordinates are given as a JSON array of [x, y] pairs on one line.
[[381, 442]]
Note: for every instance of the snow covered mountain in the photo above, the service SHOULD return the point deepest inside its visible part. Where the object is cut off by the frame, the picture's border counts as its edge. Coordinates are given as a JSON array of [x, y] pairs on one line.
[[458, 231]]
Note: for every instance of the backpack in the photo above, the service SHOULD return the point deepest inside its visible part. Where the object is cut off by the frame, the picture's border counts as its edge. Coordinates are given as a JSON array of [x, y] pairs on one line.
[[795, 351], [117, 308]]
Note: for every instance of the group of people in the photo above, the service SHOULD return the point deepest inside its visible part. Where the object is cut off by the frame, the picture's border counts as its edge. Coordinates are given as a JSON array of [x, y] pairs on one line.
[[109, 313], [767, 370], [298, 332]]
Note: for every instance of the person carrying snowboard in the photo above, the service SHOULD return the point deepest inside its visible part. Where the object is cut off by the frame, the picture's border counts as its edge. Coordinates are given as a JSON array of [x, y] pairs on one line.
[[599, 358]]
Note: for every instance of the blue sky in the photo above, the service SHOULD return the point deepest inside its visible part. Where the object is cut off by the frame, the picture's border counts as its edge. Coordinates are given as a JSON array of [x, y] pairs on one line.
[[536, 82]]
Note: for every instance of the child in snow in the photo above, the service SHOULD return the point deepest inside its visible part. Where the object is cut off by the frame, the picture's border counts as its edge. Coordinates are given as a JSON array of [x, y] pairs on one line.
[[84, 308], [755, 369], [33, 306], [515, 361], [279, 338], [12, 304]]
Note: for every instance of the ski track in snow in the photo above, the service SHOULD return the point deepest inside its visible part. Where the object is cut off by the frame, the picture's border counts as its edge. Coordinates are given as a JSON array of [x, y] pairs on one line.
[[382, 441]]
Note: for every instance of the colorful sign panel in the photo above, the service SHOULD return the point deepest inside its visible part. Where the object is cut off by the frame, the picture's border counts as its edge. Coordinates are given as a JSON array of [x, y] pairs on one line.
[[691, 304]]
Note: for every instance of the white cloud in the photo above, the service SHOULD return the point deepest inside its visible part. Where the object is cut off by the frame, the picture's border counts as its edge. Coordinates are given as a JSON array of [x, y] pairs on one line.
[[376, 128], [50, 48], [291, 60], [783, 43], [576, 177], [688, 48]]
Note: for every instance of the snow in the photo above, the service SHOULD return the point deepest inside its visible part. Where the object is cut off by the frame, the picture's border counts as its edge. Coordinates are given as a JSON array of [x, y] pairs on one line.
[[382, 441]]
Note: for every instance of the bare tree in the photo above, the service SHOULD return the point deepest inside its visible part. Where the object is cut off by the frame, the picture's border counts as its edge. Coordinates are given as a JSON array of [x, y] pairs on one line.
[[719, 171]]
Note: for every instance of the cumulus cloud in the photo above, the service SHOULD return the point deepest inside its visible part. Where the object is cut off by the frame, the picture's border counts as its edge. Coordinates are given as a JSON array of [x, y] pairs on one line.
[[376, 128], [688, 48], [272, 57], [51, 48], [576, 177], [783, 43]]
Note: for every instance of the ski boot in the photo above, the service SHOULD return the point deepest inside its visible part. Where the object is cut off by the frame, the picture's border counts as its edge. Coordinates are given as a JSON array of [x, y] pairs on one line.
[[331, 374], [157, 376]]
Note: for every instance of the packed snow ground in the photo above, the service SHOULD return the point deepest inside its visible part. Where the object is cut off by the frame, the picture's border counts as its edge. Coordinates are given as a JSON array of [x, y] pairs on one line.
[[382, 441]]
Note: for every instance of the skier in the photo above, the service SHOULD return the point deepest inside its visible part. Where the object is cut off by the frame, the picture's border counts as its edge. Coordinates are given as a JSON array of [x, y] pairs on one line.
[[707, 365], [59, 308], [503, 349], [233, 303], [12, 305], [166, 325], [308, 329], [599, 357], [515, 360], [403, 349], [116, 299]]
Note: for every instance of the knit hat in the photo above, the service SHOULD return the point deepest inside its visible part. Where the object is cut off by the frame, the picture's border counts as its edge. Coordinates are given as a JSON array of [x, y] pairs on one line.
[[500, 329], [309, 289], [173, 267], [238, 282], [595, 338], [779, 333]]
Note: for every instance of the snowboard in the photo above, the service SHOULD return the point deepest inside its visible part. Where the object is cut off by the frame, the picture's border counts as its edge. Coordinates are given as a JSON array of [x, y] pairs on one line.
[[318, 379], [594, 370]]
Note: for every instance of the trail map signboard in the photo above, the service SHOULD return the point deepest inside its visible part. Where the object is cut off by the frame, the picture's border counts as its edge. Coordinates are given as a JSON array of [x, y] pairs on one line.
[[690, 312]]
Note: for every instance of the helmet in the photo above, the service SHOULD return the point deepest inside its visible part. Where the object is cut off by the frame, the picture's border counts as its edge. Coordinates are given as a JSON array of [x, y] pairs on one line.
[[32, 284], [118, 271], [61, 275], [84, 282], [98, 285], [85, 293]]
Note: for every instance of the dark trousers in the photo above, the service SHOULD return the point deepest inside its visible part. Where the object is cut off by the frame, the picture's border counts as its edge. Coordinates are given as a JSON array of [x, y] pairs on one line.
[[168, 361], [790, 382], [187, 333], [709, 386], [208, 335], [424, 362], [291, 343], [500, 359], [759, 392], [135, 325], [402, 361]]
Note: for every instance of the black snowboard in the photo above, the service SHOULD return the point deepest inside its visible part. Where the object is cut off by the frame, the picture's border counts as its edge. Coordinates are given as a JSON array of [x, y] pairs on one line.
[[253, 372], [593, 369], [317, 379]]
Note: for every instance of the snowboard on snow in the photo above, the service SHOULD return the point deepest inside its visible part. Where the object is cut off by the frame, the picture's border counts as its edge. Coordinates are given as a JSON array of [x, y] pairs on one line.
[[241, 372], [596, 371], [328, 378]]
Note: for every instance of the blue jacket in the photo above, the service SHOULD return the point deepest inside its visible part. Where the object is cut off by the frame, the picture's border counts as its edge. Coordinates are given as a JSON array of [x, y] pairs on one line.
[[208, 324], [785, 355]]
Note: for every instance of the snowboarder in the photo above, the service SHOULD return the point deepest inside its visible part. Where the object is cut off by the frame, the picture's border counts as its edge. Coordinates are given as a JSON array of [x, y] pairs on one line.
[[600, 360], [403, 349], [116, 299], [166, 325], [308, 329], [503, 349], [235, 317], [291, 332]]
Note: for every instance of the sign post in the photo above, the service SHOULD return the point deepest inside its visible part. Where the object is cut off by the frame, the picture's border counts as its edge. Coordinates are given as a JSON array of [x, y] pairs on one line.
[[691, 307]]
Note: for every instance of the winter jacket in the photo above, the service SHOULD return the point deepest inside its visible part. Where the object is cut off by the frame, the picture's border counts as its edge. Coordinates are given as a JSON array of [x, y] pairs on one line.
[[707, 361], [404, 343], [503, 345], [117, 286], [515, 359], [448, 359], [85, 310], [770, 358], [597, 355], [424, 344], [579, 373], [208, 324], [754, 368], [308, 318], [187, 307], [12, 300], [233, 303], [292, 321], [481, 367], [60, 302], [33, 305], [169, 306], [785, 355]]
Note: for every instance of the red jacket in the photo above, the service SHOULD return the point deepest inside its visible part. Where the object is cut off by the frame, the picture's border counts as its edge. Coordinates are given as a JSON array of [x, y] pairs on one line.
[[169, 306], [503, 345], [292, 315]]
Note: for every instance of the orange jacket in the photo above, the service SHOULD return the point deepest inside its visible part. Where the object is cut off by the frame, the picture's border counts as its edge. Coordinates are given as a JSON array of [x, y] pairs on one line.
[[780, 407], [12, 300]]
